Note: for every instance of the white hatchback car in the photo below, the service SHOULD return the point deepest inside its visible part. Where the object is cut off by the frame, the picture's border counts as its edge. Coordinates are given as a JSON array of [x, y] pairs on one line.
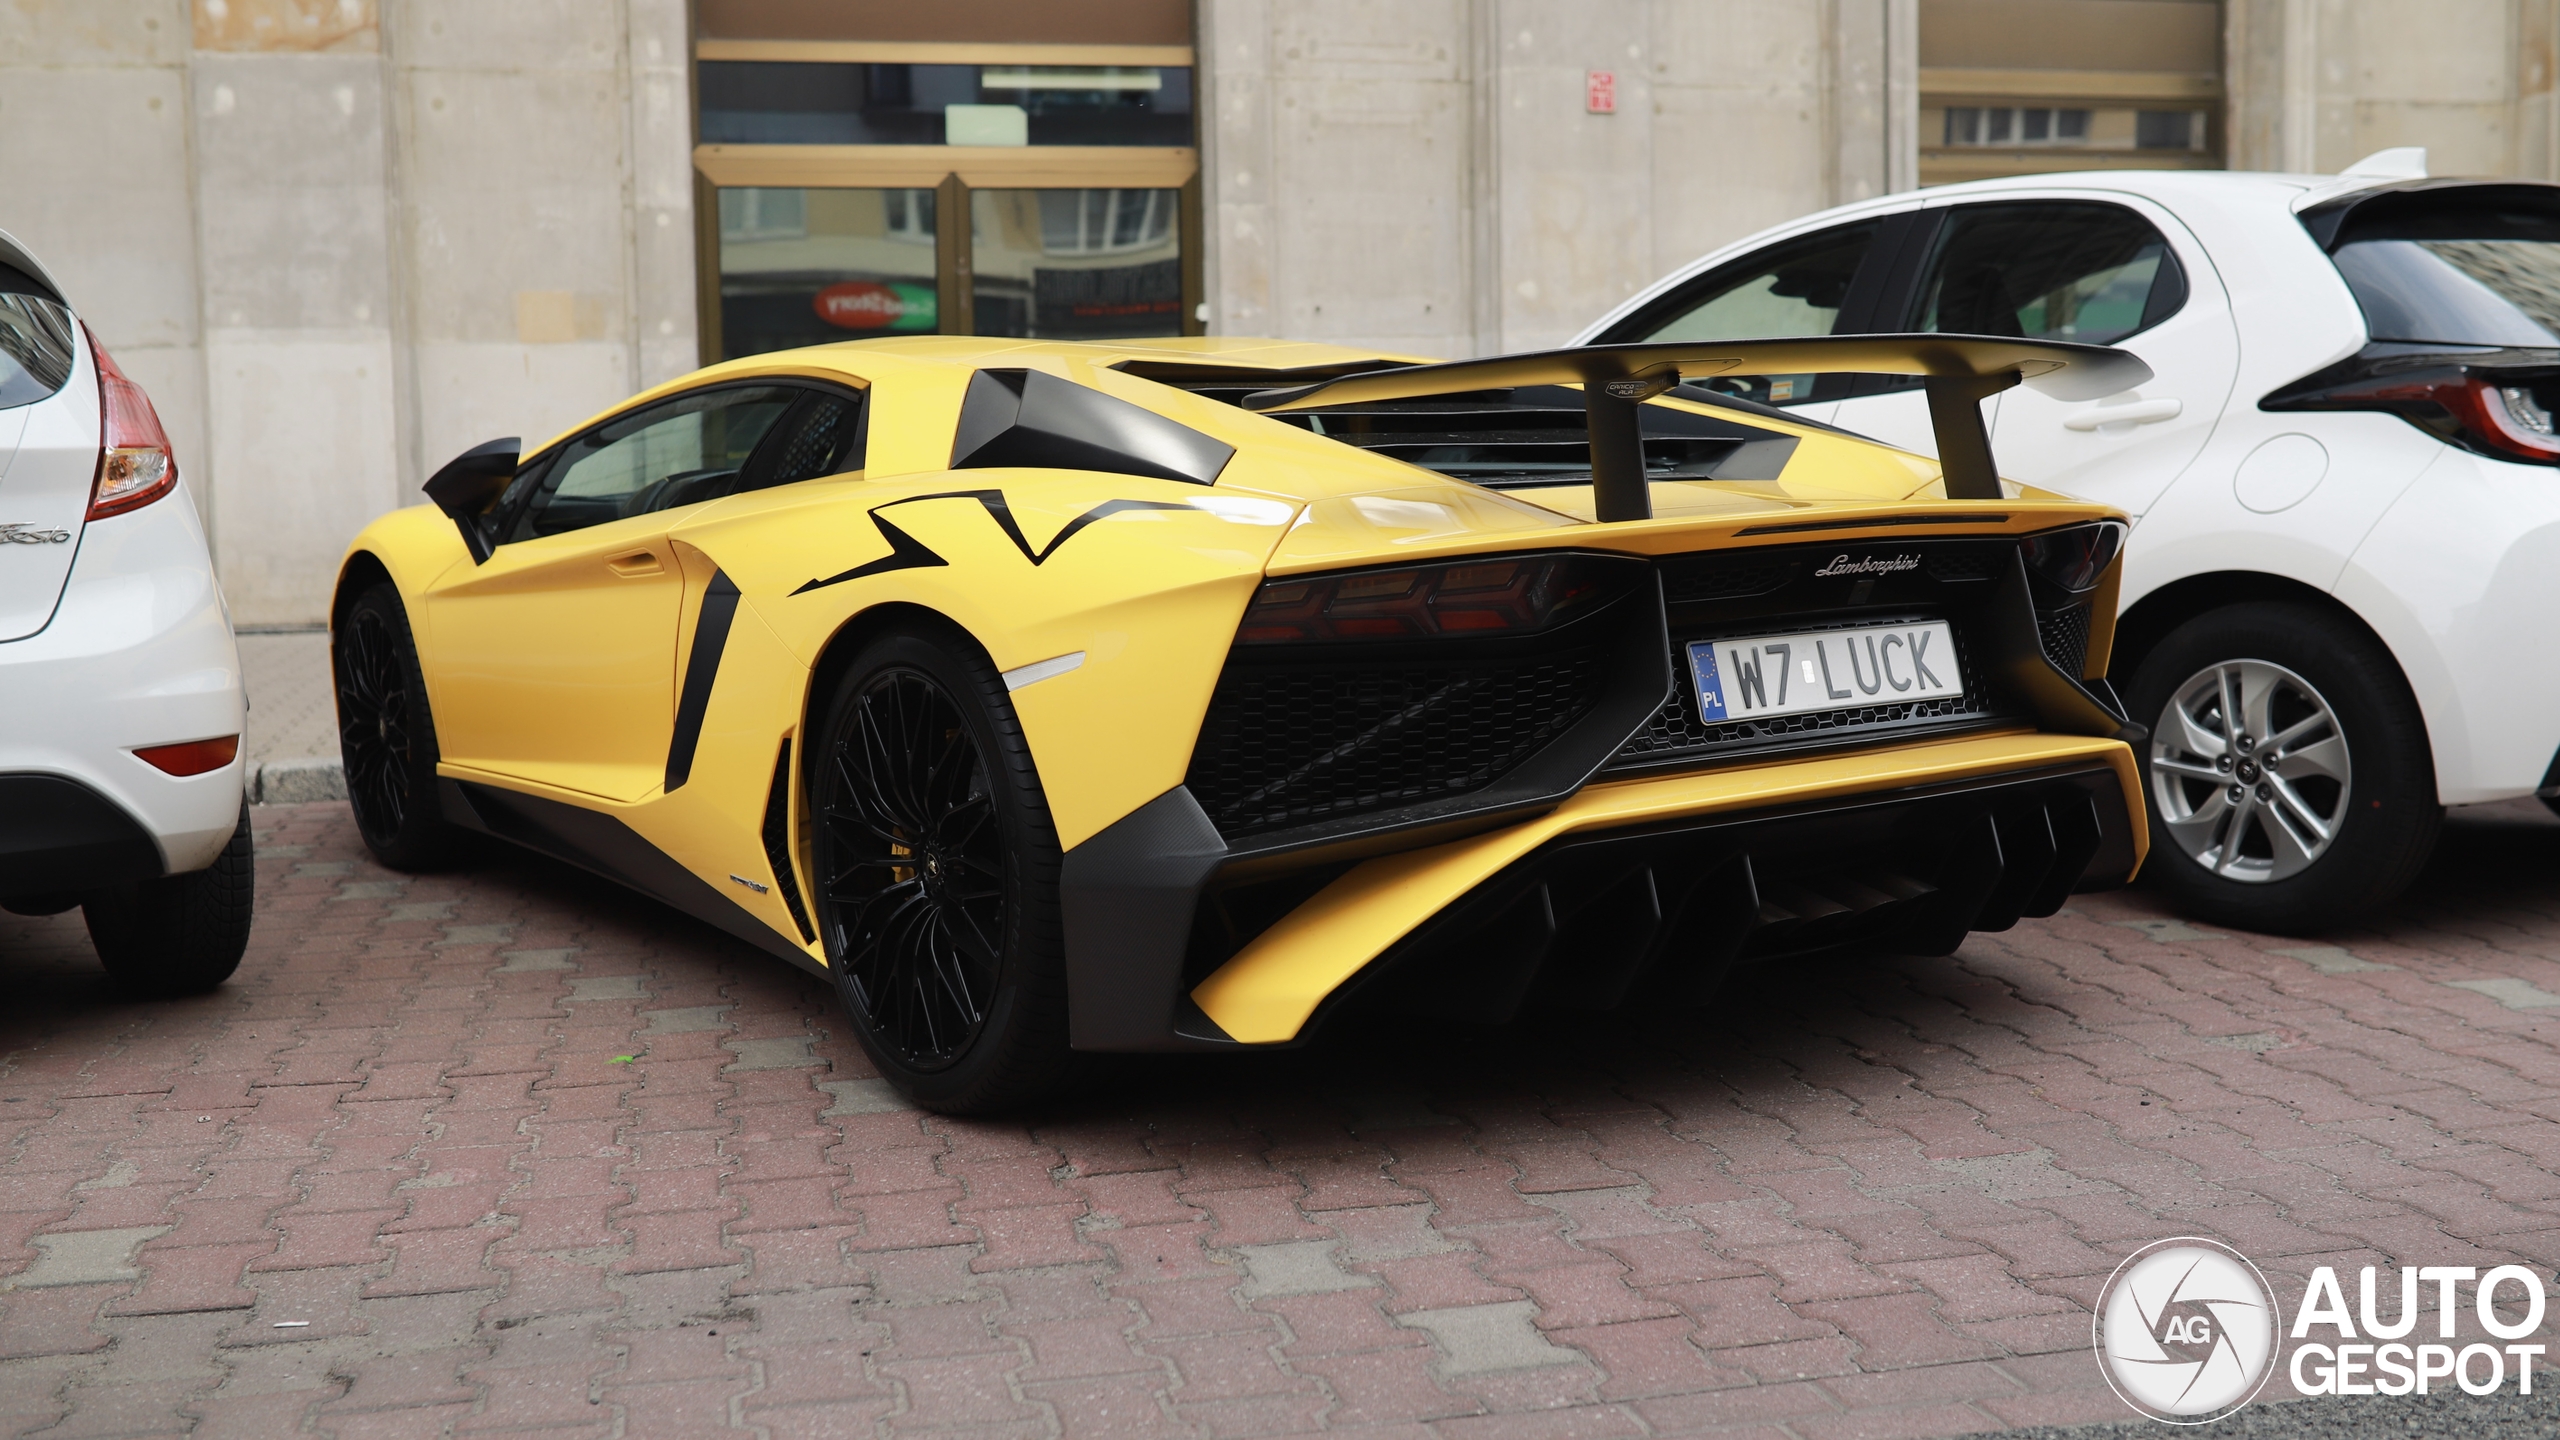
[[2342, 477], [120, 698]]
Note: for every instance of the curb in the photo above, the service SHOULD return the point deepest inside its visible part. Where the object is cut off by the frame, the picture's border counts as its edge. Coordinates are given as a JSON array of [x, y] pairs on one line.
[[296, 782]]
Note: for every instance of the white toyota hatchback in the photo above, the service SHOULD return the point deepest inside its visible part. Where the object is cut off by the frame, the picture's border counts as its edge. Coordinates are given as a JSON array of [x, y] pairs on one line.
[[2347, 543], [120, 697]]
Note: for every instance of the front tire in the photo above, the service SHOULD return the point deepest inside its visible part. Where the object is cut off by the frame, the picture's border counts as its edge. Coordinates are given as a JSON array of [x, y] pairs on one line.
[[937, 877], [2289, 779], [178, 934], [386, 735]]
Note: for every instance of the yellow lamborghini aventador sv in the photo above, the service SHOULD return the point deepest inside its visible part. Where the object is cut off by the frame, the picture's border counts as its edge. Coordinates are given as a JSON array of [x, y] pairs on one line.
[[1188, 695]]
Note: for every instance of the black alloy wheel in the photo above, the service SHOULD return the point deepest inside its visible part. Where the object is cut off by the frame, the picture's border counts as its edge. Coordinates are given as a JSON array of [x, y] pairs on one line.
[[937, 877], [2289, 780], [386, 736]]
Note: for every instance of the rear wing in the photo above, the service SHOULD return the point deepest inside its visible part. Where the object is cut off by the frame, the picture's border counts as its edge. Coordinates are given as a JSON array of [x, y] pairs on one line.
[[1960, 372]]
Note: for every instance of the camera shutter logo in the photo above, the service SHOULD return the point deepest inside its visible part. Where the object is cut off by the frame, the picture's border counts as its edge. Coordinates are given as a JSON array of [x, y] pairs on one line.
[[2186, 1331]]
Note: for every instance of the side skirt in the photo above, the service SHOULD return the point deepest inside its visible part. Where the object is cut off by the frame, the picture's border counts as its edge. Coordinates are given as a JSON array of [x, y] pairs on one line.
[[599, 843]]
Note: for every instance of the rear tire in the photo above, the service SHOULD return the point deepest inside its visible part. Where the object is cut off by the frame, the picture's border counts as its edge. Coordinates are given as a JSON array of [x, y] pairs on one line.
[[386, 735], [937, 877], [178, 934], [2350, 758]]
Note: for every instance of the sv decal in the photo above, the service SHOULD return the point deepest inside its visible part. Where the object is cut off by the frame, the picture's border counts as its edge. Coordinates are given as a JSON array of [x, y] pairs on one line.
[[908, 553]]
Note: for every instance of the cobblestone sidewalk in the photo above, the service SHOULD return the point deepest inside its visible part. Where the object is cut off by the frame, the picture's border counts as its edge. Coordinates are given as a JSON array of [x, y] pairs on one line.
[[510, 1150]]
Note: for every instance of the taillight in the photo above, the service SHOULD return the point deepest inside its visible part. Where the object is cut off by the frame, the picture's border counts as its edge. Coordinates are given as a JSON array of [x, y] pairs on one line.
[[2501, 414], [2076, 557], [134, 463], [1497, 596]]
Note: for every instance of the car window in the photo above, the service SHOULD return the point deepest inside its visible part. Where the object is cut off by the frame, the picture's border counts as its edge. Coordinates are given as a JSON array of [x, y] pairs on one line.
[[692, 448], [35, 348], [2503, 292], [2460, 264], [822, 435], [1795, 287], [2049, 271]]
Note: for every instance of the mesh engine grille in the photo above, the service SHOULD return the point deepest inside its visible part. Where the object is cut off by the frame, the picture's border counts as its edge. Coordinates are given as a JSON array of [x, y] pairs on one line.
[[2065, 634], [1284, 747], [1723, 577]]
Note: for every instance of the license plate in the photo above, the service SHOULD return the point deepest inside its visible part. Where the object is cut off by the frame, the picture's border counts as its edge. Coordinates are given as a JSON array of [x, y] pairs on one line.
[[1771, 675]]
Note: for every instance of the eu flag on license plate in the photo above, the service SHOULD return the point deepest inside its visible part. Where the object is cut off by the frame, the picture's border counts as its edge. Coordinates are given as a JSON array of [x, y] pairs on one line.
[[1702, 659]]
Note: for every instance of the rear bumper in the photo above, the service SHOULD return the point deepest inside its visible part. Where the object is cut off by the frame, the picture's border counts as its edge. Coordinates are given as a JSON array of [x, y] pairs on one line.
[[58, 835], [1908, 846], [138, 653]]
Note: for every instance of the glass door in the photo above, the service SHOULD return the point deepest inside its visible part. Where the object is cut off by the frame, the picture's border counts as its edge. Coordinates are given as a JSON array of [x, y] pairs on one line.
[[856, 198]]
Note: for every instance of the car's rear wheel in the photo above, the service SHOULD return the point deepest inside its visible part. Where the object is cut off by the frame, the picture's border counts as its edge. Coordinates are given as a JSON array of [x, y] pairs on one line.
[[386, 736], [2290, 782], [937, 876], [178, 934]]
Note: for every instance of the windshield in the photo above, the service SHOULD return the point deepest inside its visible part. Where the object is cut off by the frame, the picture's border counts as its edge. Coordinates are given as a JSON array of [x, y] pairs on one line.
[[35, 349], [2458, 292]]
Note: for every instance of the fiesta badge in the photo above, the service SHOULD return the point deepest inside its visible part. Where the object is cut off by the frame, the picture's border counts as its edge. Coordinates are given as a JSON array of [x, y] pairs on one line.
[[2186, 1331]]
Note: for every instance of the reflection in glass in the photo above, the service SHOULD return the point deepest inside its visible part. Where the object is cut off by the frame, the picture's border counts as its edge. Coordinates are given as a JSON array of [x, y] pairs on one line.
[[764, 102], [1077, 264], [2457, 292], [809, 267]]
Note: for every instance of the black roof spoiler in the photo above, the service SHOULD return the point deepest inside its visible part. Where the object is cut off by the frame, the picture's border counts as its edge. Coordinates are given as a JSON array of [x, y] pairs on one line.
[[1960, 370], [2422, 209]]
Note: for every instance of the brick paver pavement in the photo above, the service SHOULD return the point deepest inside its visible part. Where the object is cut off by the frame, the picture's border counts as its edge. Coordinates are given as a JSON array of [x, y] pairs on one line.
[[507, 1150]]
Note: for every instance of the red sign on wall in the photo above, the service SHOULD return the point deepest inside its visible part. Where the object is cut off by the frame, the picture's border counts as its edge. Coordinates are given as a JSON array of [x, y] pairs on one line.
[[869, 305], [1600, 93]]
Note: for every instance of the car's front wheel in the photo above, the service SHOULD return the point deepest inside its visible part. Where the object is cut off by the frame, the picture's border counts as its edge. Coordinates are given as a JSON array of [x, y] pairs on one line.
[[387, 736], [177, 934], [2290, 782], [937, 876]]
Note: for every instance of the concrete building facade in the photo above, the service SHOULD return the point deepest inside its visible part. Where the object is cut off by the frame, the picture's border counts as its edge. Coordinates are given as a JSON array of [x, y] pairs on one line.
[[341, 240]]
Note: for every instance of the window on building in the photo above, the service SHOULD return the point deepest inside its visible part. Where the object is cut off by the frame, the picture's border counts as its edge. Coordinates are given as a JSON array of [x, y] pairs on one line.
[[2168, 130], [2015, 125], [1076, 264], [769, 102], [851, 263], [889, 167], [2016, 87]]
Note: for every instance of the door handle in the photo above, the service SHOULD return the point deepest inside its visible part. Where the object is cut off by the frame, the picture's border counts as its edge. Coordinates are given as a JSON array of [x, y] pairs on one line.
[[637, 564], [2140, 412]]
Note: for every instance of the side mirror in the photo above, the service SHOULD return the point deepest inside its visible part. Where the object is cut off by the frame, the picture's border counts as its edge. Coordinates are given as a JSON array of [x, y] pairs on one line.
[[472, 481]]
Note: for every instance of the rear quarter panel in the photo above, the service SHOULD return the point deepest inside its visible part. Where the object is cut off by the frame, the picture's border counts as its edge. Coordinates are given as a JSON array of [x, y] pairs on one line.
[[1149, 594]]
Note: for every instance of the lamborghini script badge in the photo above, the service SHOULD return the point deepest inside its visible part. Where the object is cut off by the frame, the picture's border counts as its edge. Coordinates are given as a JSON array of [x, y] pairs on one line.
[[12, 533]]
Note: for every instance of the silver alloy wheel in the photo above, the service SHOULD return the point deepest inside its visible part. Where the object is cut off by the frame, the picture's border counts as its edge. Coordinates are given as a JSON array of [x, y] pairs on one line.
[[2259, 801]]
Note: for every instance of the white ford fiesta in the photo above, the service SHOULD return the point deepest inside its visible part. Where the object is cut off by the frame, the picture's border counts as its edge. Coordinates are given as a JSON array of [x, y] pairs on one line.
[[2345, 477], [120, 700]]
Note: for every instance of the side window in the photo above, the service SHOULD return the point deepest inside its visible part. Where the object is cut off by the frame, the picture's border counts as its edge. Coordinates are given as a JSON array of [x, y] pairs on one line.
[[694, 447], [2085, 272], [823, 435], [1792, 288]]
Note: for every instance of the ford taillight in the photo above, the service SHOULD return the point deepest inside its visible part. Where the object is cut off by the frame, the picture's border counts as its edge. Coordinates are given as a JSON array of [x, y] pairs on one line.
[[134, 463]]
